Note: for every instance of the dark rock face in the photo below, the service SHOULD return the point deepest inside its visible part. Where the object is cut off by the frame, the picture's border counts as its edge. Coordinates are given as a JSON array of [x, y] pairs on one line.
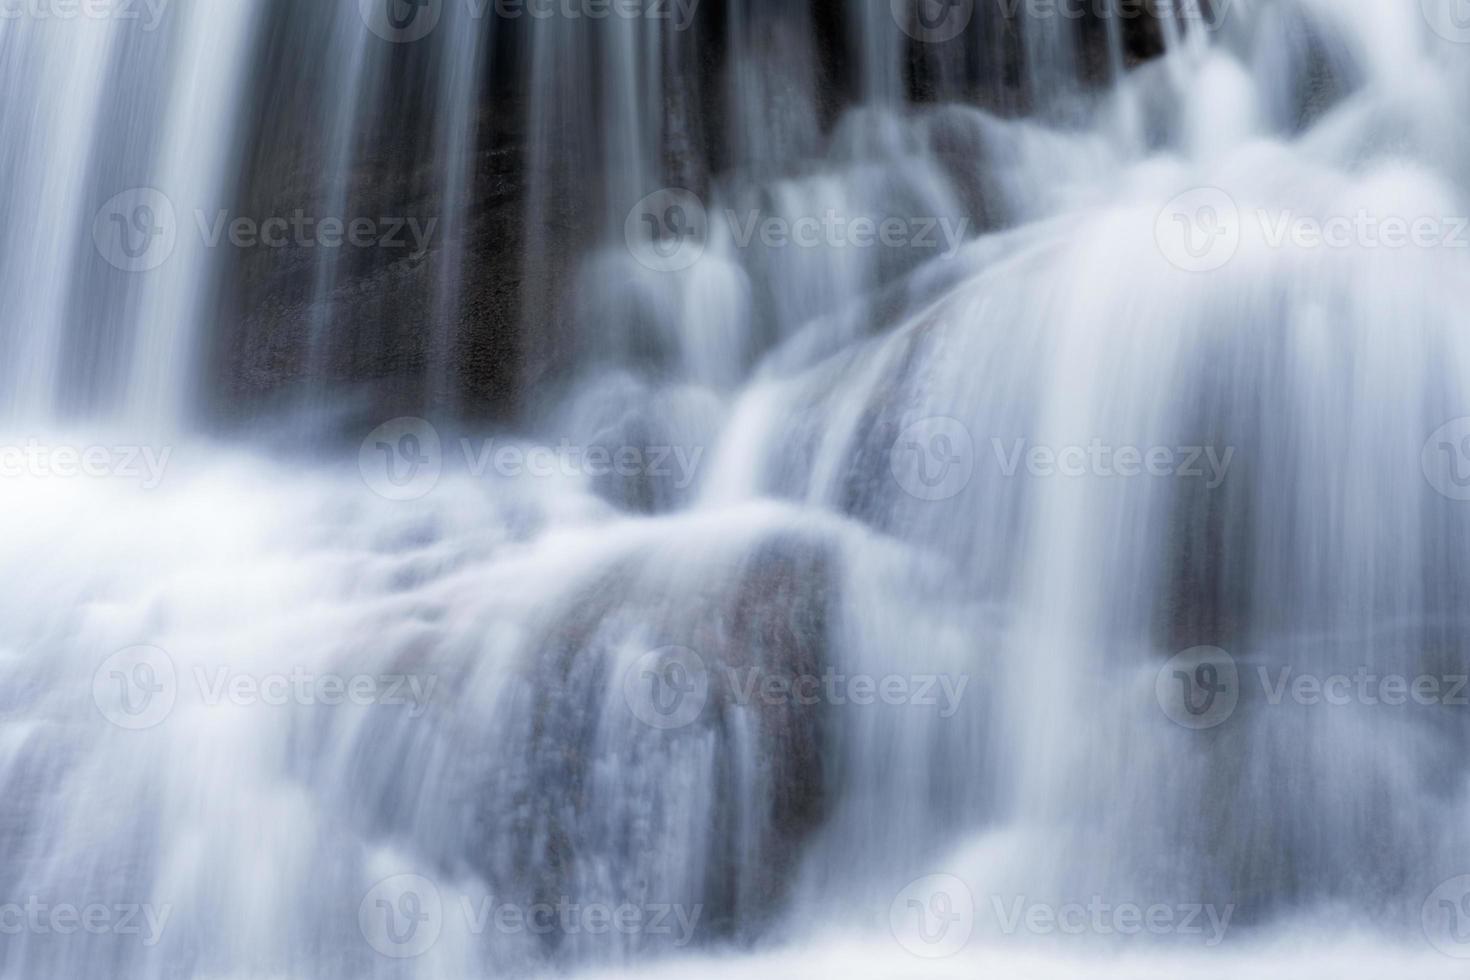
[[370, 326]]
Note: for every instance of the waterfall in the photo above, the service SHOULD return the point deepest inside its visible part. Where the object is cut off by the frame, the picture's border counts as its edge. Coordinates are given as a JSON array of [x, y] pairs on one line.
[[882, 489]]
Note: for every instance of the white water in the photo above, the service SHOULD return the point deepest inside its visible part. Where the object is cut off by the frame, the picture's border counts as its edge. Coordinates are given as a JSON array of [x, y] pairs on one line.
[[527, 600]]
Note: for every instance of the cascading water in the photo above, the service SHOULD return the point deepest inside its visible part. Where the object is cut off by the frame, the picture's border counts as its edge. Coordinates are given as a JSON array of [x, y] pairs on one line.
[[1018, 529]]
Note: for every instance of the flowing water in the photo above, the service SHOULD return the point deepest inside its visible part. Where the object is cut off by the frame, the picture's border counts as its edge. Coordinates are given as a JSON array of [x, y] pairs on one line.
[[1070, 582]]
